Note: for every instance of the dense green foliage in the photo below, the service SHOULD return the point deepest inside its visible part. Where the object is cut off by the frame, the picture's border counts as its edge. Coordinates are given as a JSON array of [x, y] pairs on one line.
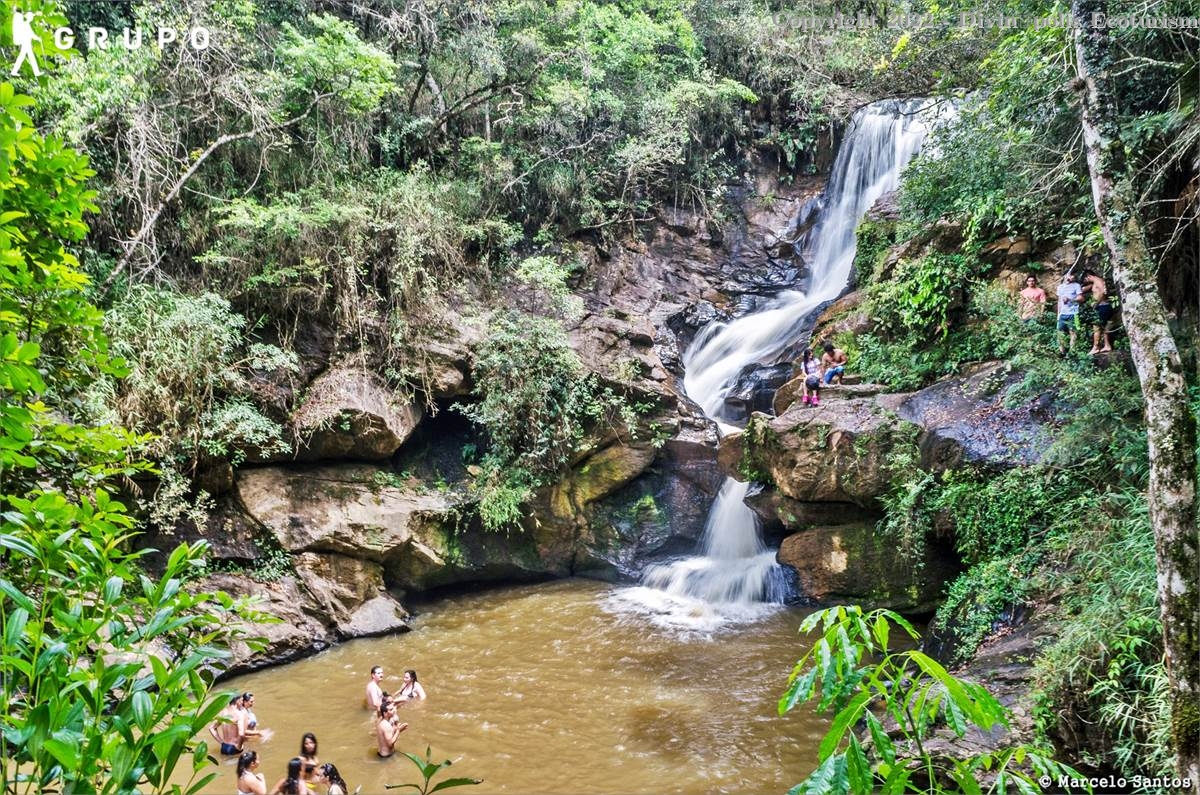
[[102, 665], [856, 672], [1009, 164], [537, 404]]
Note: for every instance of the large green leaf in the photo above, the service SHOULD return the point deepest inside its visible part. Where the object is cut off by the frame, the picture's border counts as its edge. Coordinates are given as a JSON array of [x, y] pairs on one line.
[[841, 723], [828, 779], [858, 770]]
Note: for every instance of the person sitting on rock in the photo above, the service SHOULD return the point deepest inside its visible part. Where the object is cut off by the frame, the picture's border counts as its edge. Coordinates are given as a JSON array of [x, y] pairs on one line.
[[810, 371], [833, 363]]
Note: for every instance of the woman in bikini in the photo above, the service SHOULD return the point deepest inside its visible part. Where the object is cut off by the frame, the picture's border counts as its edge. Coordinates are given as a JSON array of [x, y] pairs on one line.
[[411, 688], [308, 756], [249, 780]]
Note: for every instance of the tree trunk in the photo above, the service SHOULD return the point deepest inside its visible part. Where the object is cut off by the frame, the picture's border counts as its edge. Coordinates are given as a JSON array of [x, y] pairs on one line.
[[1170, 427]]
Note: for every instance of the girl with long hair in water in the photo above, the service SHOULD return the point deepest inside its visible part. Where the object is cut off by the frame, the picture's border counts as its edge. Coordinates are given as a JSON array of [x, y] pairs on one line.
[[308, 756], [411, 688], [333, 779], [290, 784], [249, 780]]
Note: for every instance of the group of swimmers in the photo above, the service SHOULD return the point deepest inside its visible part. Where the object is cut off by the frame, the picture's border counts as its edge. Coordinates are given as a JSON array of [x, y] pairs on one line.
[[817, 372], [303, 772], [384, 705], [1074, 308], [237, 723]]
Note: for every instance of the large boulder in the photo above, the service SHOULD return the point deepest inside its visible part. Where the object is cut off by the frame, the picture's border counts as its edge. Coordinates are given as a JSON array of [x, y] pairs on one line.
[[966, 419], [852, 563], [355, 510], [789, 393], [754, 388], [351, 592], [783, 515], [845, 315], [659, 513], [419, 537], [350, 413], [300, 630], [837, 452]]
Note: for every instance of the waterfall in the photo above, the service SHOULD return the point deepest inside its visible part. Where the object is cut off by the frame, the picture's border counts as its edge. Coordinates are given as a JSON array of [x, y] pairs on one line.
[[735, 574]]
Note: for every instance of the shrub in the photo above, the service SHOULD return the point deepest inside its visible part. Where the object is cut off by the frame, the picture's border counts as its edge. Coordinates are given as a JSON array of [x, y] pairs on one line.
[[1104, 667], [872, 241], [898, 698], [190, 363], [537, 403], [917, 300]]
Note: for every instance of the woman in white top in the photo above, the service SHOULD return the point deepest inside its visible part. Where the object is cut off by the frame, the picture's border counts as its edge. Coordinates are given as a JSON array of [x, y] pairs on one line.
[[411, 687], [249, 781]]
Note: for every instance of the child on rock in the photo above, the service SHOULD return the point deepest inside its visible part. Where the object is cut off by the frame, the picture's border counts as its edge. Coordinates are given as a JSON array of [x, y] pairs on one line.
[[810, 370]]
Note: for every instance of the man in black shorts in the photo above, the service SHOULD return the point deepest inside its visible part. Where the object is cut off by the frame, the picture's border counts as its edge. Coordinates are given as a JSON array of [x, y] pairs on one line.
[[1099, 311]]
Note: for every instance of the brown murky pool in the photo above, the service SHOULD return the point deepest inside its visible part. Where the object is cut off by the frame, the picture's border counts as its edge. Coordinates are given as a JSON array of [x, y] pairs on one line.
[[570, 687]]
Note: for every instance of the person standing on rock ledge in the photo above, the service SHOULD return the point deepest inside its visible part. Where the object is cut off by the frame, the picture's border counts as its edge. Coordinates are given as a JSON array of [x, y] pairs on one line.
[[1070, 296], [1099, 312], [810, 371], [1032, 301]]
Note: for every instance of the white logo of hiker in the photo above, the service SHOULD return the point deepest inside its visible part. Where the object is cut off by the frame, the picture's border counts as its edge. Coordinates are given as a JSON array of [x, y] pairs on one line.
[[198, 38], [23, 37]]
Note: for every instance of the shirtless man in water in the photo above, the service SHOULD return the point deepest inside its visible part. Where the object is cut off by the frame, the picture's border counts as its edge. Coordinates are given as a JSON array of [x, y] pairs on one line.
[[1100, 312], [229, 729], [374, 691], [388, 729]]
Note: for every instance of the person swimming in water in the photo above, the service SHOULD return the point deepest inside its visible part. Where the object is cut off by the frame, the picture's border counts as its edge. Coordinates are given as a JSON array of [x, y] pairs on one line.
[[387, 729], [249, 780], [308, 756], [411, 688]]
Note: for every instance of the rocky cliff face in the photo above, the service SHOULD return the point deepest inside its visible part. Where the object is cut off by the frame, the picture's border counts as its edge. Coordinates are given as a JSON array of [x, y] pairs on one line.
[[372, 502], [828, 467]]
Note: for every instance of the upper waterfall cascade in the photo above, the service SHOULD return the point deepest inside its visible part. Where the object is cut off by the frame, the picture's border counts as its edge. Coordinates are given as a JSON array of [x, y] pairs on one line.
[[735, 574]]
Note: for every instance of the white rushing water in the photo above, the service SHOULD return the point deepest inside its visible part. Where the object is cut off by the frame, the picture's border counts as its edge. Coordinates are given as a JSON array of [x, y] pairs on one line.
[[736, 577]]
